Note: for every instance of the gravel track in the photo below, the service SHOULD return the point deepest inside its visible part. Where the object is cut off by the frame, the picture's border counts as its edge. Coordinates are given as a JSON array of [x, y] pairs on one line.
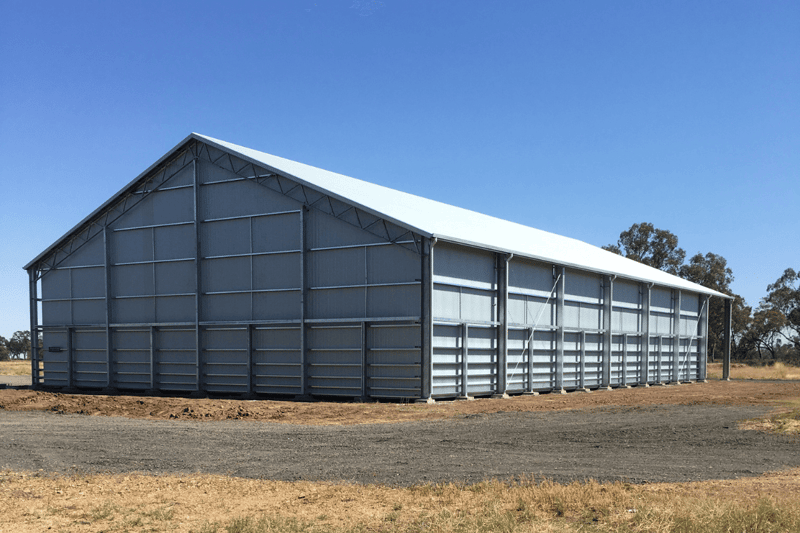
[[639, 444]]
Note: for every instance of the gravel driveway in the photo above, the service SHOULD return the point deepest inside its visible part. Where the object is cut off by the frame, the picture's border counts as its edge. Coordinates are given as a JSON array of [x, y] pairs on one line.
[[653, 444]]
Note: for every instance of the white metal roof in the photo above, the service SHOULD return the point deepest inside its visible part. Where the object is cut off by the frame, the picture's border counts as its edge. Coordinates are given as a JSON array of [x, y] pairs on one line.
[[455, 224], [434, 219]]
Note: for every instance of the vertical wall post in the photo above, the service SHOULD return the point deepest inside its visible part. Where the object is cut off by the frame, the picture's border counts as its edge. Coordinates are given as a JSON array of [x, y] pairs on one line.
[[464, 361], [608, 298], [625, 360], [502, 328], [676, 337], [70, 349], [702, 339], [107, 274], [561, 273], [426, 320], [364, 376], [645, 377], [34, 316], [249, 332], [582, 383], [726, 340], [303, 302], [152, 358], [660, 379], [531, 334], [198, 284]]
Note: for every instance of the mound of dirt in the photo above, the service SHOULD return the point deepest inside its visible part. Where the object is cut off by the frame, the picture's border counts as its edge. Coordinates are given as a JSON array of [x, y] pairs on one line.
[[721, 393]]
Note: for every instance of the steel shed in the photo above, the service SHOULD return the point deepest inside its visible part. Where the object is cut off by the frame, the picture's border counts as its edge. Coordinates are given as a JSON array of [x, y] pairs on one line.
[[222, 269]]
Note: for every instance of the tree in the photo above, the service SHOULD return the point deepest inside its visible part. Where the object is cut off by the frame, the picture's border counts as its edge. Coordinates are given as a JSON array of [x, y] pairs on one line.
[[19, 346], [654, 247], [712, 271], [4, 354], [766, 330], [783, 296]]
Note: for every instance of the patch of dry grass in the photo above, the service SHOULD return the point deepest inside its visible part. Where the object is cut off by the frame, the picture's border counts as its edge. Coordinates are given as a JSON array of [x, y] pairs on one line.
[[204, 503], [778, 370], [15, 368]]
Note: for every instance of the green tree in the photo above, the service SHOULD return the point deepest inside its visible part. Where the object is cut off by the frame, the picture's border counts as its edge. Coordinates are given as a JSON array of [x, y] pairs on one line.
[[712, 271], [654, 247], [19, 346], [783, 296], [4, 353], [765, 331]]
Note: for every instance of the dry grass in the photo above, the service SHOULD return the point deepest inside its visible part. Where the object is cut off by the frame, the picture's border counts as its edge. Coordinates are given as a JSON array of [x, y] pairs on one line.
[[204, 503], [15, 368], [778, 370]]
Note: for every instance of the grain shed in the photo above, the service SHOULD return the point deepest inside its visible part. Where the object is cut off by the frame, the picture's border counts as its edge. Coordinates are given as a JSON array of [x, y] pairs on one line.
[[222, 269]]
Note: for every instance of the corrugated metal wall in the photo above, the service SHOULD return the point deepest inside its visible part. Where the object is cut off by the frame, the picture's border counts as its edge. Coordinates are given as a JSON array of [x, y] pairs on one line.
[[224, 277], [611, 332], [279, 298]]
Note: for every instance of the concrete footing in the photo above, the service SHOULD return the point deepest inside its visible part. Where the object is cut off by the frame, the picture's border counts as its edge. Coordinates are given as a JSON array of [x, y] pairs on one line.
[[465, 398], [429, 401], [503, 396]]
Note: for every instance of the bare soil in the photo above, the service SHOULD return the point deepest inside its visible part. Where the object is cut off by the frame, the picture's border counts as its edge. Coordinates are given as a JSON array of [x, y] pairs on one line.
[[657, 434]]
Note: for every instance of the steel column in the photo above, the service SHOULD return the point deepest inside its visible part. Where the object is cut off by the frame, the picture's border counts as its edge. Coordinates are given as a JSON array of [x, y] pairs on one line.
[[502, 318], [303, 301], [676, 337], [364, 377], [583, 360], [726, 341], [152, 358], [561, 274], [249, 332], [70, 349], [107, 274], [702, 341], [464, 360], [531, 333], [198, 283], [426, 319], [645, 377], [608, 298], [34, 318], [624, 359]]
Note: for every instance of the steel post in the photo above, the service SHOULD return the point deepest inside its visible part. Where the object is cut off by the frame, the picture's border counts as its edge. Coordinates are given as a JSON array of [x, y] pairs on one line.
[[502, 328], [426, 319], [34, 318], [561, 273], [702, 341], [198, 283], [608, 298], [726, 341], [107, 274], [645, 328], [676, 337]]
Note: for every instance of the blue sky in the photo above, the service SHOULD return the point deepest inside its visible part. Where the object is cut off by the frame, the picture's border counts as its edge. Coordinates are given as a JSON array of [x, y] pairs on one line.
[[579, 118]]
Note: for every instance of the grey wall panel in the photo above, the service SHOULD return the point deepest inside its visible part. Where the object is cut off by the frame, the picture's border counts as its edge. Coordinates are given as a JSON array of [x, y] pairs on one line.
[[478, 305], [661, 322], [175, 278], [132, 280], [225, 237], [482, 361], [276, 233], [518, 352], [90, 253], [56, 313], [530, 278], [572, 359], [56, 283], [661, 299], [337, 267], [633, 360], [625, 319], [175, 309], [175, 359], [89, 358], [226, 307], [131, 358], [464, 266], [279, 271], [337, 303], [132, 245], [173, 242], [225, 360], [326, 231], [617, 367], [133, 310], [276, 306], [240, 198], [391, 264], [55, 363], [393, 361], [335, 360], [544, 360], [389, 301], [277, 365], [593, 366], [447, 358], [583, 287], [88, 312], [160, 207], [626, 292], [447, 302], [88, 282], [228, 274]]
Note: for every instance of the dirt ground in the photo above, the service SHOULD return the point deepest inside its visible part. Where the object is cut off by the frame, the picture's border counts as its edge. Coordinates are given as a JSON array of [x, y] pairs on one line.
[[656, 434], [714, 393]]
